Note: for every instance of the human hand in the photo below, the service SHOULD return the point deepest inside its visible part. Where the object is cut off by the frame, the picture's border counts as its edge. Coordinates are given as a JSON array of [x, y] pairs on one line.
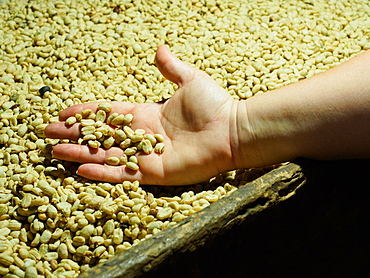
[[196, 123]]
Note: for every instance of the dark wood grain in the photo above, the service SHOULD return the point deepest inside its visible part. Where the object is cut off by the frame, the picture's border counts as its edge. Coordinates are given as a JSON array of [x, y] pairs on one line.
[[194, 231]]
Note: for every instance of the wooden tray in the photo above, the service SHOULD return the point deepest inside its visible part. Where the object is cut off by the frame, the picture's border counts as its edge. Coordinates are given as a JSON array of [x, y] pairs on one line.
[[196, 230]]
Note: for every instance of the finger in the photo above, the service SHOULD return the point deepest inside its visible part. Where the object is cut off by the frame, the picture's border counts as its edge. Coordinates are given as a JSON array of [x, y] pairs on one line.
[[112, 174], [173, 68], [85, 154], [117, 106], [62, 131]]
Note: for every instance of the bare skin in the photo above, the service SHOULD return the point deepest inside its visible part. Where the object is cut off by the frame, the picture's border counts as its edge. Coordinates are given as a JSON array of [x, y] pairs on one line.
[[195, 123], [207, 132], [323, 117]]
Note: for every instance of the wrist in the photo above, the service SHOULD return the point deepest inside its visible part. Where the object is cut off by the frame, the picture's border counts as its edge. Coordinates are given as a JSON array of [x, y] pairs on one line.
[[263, 133], [244, 144], [226, 137]]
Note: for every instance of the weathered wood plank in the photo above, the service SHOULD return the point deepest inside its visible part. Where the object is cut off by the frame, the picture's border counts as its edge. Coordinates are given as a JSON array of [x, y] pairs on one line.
[[194, 231]]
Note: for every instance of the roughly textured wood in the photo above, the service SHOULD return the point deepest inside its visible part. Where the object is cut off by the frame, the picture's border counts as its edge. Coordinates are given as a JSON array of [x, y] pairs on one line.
[[194, 231], [322, 231]]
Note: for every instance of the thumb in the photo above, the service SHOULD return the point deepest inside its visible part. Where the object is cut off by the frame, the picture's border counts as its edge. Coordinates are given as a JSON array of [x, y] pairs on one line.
[[173, 68]]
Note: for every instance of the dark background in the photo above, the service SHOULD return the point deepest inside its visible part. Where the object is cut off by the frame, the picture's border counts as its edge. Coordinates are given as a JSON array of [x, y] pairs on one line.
[[322, 231]]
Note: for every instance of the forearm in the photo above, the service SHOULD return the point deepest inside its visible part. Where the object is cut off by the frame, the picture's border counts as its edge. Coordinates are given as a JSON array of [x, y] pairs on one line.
[[326, 116]]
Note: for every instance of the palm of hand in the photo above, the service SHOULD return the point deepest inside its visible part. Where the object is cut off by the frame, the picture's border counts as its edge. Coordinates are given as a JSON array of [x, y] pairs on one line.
[[195, 123]]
